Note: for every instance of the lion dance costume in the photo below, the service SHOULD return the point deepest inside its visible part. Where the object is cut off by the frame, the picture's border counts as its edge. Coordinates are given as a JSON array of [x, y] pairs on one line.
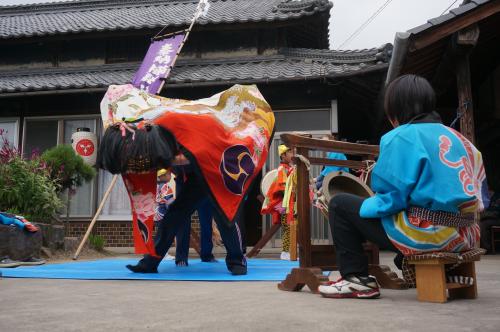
[[225, 138]]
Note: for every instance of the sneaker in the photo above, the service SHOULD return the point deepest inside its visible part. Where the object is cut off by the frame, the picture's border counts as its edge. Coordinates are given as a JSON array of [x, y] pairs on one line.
[[141, 268], [33, 261], [285, 256], [351, 287], [7, 262], [238, 270]]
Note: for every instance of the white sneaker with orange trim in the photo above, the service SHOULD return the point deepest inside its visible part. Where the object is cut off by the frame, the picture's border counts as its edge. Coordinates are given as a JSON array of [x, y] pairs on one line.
[[285, 256], [351, 287]]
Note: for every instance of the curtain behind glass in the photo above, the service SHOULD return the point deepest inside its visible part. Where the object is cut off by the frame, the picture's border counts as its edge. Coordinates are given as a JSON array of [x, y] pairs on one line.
[[118, 204], [81, 201], [9, 132], [40, 135]]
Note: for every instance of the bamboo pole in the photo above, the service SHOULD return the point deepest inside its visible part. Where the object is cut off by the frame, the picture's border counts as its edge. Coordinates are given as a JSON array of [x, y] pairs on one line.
[[188, 31], [97, 213], [115, 177]]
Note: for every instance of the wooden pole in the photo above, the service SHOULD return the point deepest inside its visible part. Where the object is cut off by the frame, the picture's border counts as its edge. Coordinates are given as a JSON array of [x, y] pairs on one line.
[[304, 210], [465, 98], [115, 177], [464, 42], [188, 31], [293, 241], [97, 213], [263, 241]]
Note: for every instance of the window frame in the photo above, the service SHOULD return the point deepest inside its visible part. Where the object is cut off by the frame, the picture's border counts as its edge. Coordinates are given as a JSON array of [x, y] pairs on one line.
[[60, 140], [17, 122]]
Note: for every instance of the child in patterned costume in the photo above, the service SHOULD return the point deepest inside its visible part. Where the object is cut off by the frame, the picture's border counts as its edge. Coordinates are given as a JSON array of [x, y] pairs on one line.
[[164, 197], [429, 181], [164, 194], [273, 203]]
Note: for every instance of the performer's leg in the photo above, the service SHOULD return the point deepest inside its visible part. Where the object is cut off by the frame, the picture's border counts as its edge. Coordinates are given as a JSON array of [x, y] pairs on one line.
[[182, 242], [177, 214], [231, 236], [241, 224], [350, 231], [205, 217]]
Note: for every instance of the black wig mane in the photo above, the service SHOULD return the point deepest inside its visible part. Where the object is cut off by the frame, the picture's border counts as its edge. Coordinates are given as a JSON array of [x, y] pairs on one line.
[[150, 148]]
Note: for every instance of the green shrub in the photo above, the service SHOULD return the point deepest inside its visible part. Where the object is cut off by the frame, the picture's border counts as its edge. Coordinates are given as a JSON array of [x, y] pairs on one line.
[[66, 168], [97, 242], [26, 188]]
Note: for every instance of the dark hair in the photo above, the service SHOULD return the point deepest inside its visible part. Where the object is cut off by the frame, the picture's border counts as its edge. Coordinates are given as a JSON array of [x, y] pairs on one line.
[[407, 97], [151, 148]]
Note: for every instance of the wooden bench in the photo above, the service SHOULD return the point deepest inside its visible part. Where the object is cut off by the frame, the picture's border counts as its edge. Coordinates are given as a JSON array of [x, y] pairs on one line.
[[431, 271]]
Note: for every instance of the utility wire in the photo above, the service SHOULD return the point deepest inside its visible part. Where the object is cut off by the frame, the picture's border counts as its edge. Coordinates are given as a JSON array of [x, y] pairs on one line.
[[444, 11], [365, 24]]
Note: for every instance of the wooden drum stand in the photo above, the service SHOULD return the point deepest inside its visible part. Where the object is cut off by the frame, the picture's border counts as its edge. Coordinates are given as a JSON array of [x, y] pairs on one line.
[[314, 259]]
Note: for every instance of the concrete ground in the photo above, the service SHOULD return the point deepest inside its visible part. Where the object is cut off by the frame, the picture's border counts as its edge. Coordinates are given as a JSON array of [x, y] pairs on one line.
[[72, 305]]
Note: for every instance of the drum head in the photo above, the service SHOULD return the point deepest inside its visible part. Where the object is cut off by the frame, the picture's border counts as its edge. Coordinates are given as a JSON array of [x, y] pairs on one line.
[[342, 182], [267, 180]]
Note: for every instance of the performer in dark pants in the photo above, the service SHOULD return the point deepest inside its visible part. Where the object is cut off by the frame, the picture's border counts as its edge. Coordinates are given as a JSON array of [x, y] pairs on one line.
[[350, 231], [205, 215], [191, 197]]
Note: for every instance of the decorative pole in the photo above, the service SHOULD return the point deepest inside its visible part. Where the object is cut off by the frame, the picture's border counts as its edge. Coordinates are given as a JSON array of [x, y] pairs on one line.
[[201, 10]]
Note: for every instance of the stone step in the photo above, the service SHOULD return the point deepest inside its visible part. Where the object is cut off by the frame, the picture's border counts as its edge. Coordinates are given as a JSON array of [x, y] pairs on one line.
[[18, 244]]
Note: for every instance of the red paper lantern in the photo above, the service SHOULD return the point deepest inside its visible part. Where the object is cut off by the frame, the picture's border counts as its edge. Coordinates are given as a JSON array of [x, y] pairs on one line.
[[84, 143]]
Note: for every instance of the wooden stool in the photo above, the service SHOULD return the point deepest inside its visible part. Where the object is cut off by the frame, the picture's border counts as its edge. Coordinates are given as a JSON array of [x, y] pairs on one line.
[[430, 270], [494, 230]]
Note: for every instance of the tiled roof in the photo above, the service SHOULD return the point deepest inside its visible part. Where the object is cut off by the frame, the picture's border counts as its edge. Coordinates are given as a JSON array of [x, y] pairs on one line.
[[110, 15], [460, 10], [402, 40], [64, 79], [288, 64]]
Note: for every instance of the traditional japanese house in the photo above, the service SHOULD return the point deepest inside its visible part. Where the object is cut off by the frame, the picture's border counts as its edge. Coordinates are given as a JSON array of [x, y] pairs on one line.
[[57, 60]]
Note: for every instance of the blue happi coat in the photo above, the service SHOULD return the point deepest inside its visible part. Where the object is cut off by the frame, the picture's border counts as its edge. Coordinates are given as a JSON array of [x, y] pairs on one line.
[[432, 166]]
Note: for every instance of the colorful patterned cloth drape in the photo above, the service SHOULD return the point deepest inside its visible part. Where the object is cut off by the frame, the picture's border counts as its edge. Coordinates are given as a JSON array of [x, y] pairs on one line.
[[225, 137]]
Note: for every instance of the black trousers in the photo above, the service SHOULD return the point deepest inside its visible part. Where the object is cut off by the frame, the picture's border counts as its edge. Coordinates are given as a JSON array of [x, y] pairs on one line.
[[190, 197], [205, 216], [350, 231]]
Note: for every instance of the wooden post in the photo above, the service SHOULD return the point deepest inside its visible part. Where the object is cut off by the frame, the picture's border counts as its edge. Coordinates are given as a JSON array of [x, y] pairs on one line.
[[465, 97], [293, 241], [97, 213], [465, 40], [304, 210]]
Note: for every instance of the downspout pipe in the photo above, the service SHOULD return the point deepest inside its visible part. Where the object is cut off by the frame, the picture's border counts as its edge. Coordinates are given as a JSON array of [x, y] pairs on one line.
[[399, 53]]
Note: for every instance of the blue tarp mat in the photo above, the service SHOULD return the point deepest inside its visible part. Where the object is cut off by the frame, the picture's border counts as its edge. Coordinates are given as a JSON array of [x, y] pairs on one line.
[[114, 269]]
